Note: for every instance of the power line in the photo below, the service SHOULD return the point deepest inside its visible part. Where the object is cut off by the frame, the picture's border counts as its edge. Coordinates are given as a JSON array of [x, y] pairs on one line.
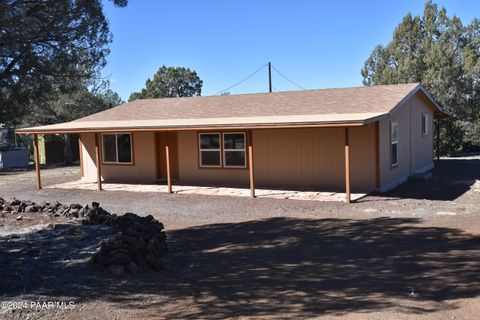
[[286, 78], [241, 81]]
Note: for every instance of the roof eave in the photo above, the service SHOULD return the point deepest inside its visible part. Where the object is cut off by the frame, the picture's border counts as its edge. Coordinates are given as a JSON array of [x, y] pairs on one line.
[[419, 87], [206, 127]]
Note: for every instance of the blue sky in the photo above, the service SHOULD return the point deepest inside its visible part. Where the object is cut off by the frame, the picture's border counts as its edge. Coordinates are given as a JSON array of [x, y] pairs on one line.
[[317, 44]]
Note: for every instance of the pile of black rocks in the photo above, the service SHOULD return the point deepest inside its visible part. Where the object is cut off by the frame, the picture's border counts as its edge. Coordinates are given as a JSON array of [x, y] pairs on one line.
[[56, 209], [139, 245]]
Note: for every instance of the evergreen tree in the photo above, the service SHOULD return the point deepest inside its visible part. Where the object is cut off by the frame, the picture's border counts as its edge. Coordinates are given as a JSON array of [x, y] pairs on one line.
[[442, 54], [170, 82]]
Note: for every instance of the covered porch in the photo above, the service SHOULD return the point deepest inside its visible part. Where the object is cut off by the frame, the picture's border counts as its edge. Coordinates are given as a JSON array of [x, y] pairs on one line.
[[166, 147]]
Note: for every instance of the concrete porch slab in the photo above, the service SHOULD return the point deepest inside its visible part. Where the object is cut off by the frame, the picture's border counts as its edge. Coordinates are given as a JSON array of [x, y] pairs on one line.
[[218, 191]]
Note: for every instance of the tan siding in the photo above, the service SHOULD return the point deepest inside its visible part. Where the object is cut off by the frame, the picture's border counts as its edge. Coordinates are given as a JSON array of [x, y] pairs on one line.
[[291, 158], [143, 170], [189, 172], [422, 146], [88, 156], [415, 152], [284, 158], [314, 158], [144, 167], [362, 141], [391, 176]]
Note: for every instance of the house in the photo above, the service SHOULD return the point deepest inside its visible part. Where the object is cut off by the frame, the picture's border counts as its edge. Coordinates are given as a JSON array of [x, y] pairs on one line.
[[349, 139]]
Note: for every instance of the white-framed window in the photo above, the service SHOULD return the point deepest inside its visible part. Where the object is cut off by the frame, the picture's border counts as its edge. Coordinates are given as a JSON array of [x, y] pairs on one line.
[[210, 150], [425, 124], [234, 152], [117, 148], [394, 130]]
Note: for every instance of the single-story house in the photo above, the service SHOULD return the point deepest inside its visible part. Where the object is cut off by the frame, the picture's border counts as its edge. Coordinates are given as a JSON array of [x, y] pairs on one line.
[[361, 139]]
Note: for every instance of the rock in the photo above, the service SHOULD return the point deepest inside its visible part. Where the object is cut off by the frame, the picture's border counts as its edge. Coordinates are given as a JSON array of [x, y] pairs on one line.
[[82, 212], [95, 204], [31, 208], [116, 270], [119, 257], [72, 213], [76, 206], [140, 243], [20, 217], [15, 202], [132, 268]]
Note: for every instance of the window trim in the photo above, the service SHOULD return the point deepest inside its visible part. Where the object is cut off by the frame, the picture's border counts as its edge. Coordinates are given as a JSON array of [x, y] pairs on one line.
[[425, 124], [116, 148], [244, 150], [200, 150], [392, 123]]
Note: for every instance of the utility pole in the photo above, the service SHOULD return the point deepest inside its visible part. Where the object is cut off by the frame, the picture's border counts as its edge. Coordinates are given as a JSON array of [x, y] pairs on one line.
[[269, 77]]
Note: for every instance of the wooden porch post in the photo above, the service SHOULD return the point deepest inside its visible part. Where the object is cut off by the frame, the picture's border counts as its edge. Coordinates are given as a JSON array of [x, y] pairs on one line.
[[377, 155], [438, 140], [169, 176], [347, 166], [98, 161], [37, 162], [250, 164]]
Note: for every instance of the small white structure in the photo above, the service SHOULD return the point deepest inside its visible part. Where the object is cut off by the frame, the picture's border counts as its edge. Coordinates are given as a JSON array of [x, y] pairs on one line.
[[11, 156]]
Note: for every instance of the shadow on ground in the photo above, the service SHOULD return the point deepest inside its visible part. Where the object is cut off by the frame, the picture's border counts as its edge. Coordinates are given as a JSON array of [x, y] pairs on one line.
[[451, 179], [276, 267]]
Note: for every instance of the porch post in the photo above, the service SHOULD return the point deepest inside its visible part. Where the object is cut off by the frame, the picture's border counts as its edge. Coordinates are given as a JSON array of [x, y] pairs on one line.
[[377, 155], [169, 176], [347, 166], [98, 161], [250, 164], [438, 140], [37, 162]]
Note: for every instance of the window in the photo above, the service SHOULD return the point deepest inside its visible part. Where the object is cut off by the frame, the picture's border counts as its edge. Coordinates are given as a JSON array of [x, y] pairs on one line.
[[234, 150], [117, 148], [394, 143], [210, 152], [425, 124], [222, 150]]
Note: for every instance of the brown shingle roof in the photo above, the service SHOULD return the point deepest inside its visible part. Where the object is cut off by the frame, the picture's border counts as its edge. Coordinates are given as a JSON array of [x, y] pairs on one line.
[[372, 99], [353, 106]]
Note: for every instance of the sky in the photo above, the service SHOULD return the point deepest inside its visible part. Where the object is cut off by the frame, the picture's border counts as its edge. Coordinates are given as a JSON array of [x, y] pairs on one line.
[[316, 44]]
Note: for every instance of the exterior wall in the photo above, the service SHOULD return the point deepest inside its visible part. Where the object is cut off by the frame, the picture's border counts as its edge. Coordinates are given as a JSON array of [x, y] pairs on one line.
[[422, 146], [188, 166], [284, 158], [415, 151], [87, 156], [291, 158], [143, 169]]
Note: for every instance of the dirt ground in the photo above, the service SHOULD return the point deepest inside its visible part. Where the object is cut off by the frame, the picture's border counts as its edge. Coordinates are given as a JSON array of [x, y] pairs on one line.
[[413, 253]]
